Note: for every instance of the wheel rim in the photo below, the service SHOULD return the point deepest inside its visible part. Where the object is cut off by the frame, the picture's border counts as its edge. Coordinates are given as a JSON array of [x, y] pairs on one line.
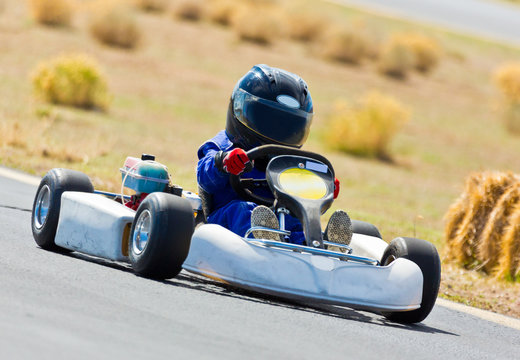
[[143, 228], [41, 209]]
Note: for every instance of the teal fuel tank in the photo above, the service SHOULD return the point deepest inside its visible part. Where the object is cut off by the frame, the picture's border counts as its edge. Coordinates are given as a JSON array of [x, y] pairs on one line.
[[144, 176]]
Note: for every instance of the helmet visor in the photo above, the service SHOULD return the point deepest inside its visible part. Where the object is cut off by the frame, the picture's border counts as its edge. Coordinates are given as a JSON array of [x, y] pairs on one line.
[[280, 122]]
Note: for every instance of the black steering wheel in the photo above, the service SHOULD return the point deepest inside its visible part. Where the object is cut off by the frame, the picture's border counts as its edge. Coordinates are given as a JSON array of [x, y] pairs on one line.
[[244, 187]]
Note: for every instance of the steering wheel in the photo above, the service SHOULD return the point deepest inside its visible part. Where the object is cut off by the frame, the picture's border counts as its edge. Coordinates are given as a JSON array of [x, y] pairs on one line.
[[244, 186]]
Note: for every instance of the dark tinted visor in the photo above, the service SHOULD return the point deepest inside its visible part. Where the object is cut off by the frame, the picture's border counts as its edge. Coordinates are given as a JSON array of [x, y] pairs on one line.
[[283, 122]]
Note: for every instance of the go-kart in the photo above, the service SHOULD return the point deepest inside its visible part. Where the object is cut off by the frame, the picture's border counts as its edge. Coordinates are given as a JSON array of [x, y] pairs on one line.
[[155, 230]]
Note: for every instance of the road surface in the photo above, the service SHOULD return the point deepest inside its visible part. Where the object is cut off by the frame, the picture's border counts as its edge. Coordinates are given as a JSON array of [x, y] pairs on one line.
[[489, 19]]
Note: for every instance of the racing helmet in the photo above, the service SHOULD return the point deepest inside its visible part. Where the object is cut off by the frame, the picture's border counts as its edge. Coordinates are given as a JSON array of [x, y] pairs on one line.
[[269, 106]]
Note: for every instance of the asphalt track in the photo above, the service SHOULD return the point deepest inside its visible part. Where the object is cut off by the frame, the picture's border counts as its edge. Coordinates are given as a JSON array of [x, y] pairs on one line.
[[56, 306], [490, 19]]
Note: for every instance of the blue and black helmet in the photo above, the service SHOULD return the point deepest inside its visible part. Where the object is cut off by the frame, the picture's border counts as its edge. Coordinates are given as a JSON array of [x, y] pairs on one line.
[[269, 106]]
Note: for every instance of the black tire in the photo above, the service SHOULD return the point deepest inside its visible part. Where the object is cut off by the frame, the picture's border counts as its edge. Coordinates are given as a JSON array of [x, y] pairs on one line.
[[166, 222], [365, 228], [425, 255], [52, 186]]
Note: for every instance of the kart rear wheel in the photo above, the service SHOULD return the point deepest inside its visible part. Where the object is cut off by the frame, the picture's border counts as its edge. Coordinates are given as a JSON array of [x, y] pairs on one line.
[[424, 254], [160, 236], [365, 228], [47, 203]]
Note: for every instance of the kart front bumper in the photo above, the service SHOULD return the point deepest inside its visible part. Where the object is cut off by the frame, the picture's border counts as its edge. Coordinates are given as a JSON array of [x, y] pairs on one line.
[[220, 254]]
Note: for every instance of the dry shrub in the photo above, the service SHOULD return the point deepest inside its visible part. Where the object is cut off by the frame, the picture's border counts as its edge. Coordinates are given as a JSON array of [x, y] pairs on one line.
[[152, 5], [396, 59], [480, 205], [73, 80], [222, 11], [507, 78], [192, 10], [509, 264], [425, 50], [478, 223], [346, 45], [115, 25], [257, 24], [367, 128], [489, 246], [305, 26], [51, 12]]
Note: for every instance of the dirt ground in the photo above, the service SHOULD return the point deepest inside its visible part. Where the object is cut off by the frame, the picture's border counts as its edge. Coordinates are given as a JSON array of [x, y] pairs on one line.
[[479, 290]]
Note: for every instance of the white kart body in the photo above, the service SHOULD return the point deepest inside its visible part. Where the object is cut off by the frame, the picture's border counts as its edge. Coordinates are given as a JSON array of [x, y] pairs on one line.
[[95, 225], [220, 254]]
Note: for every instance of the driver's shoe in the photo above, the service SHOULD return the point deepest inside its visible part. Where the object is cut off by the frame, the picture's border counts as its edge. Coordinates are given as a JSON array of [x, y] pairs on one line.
[[339, 228], [265, 217]]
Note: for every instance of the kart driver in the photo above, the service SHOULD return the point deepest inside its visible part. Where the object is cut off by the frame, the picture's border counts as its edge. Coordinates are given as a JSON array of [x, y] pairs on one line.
[[267, 106]]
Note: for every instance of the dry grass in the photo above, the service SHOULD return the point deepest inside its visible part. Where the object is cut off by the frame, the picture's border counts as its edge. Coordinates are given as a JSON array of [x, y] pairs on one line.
[[481, 224], [396, 59], [191, 10], [367, 128], [73, 80], [51, 12], [115, 25], [512, 118], [305, 26], [12, 136], [345, 45], [259, 25], [157, 6]]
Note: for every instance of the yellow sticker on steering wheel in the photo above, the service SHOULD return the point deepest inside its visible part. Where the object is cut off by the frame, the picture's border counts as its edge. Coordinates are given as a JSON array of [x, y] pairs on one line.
[[303, 183]]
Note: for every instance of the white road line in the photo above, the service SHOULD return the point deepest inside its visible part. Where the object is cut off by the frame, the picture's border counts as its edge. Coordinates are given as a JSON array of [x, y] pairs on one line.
[[19, 176], [483, 314]]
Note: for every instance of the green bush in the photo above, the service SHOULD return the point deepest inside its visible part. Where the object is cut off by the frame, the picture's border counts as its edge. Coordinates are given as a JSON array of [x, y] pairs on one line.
[[73, 80], [367, 127]]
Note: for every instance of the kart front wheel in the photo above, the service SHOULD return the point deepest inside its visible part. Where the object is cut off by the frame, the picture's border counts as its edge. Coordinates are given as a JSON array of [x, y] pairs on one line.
[[424, 254], [160, 236], [47, 203]]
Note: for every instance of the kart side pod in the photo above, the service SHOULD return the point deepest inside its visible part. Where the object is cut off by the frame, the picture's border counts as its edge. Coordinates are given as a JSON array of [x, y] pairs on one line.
[[94, 225]]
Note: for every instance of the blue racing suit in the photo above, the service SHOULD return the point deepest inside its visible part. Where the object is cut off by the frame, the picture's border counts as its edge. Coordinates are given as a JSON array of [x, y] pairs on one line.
[[229, 210]]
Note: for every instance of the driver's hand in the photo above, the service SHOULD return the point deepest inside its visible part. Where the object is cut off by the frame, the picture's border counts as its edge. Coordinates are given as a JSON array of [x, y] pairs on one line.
[[336, 188], [235, 161]]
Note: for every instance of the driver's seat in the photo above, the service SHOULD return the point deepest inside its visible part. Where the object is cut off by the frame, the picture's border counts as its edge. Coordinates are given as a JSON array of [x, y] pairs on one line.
[[207, 206]]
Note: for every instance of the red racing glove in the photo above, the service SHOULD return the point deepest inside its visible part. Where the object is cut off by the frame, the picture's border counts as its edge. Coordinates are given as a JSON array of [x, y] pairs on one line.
[[336, 188], [235, 161]]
